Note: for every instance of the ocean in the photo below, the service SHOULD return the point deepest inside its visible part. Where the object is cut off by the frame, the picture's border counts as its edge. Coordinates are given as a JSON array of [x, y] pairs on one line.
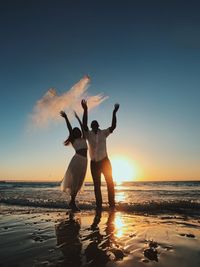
[[136, 197]]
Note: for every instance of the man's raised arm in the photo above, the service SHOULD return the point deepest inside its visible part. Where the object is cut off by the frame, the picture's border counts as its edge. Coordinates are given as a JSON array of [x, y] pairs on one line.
[[114, 118], [85, 114]]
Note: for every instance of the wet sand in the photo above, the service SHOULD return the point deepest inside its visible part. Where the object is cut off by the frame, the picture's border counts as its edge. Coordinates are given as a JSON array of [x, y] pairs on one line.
[[47, 237]]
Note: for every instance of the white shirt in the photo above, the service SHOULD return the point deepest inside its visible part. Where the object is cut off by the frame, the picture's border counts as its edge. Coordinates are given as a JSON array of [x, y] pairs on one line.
[[97, 143]]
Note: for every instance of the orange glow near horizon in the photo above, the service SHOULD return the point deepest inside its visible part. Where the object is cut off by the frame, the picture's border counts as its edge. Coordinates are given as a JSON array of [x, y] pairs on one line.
[[123, 170]]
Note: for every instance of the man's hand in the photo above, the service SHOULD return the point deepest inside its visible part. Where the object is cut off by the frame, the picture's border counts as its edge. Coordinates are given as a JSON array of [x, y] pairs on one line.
[[63, 114], [116, 107], [84, 104]]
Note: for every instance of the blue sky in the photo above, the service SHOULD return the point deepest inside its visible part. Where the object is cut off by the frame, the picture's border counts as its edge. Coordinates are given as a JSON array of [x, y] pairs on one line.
[[143, 54]]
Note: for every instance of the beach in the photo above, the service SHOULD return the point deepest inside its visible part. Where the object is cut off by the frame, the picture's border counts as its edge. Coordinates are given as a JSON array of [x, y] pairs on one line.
[[100, 110], [34, 236]]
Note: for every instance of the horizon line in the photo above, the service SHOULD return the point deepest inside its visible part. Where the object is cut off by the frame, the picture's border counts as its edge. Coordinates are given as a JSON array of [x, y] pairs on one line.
[[55, 181]]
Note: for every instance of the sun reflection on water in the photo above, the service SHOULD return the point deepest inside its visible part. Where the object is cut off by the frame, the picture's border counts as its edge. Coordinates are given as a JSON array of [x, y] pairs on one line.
[[119, 225]]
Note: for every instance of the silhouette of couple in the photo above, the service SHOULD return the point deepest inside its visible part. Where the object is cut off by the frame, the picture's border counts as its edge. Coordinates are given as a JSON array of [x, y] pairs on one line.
[[99, 164]]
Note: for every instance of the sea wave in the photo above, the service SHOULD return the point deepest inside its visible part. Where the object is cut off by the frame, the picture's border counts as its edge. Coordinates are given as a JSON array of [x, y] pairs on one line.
[[180, 207], [144, 197]]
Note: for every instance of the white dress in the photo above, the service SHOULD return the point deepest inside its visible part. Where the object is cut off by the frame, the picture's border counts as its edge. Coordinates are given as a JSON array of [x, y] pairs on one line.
[[75, 174]]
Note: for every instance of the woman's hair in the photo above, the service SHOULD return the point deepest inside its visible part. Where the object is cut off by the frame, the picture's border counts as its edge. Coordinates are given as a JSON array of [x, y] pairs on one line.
[[76, 133], [68, 141]]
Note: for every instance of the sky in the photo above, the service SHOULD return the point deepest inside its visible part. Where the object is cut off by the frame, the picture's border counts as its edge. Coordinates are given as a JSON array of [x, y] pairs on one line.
[[142, 54]]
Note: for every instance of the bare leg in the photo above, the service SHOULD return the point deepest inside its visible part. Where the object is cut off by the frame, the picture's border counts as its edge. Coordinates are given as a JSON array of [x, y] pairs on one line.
[[72, 203]]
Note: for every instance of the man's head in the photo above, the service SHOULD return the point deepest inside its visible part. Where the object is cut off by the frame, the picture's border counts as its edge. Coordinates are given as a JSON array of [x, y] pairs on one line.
[[94, 125]]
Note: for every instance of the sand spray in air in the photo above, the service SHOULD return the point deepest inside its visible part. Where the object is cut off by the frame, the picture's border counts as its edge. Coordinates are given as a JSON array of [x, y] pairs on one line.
[[46, 109]]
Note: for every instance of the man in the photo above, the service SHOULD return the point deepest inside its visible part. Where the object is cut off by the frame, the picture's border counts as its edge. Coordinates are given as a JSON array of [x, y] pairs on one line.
[[100, 162]]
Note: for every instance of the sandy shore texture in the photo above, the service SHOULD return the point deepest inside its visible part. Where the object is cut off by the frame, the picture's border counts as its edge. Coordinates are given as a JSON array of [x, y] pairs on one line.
[[41, 237]]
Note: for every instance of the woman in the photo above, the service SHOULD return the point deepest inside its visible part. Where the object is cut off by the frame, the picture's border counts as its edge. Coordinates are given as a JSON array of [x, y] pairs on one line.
[[75, 174]]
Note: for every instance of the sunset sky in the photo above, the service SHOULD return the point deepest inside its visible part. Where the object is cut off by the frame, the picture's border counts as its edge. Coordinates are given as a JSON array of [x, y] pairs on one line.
[[142, 54]]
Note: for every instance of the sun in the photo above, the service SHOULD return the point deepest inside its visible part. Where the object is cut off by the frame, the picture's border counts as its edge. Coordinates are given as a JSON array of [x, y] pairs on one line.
[[123, 170]]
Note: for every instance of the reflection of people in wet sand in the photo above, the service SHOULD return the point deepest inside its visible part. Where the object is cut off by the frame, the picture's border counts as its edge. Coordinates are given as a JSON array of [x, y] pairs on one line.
[[95, 255], [100, 244], [102, 247], [68, 241], [75, 174], [100, 162]]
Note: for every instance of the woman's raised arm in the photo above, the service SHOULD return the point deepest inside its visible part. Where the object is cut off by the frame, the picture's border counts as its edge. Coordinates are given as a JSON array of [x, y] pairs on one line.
[[64, 115]]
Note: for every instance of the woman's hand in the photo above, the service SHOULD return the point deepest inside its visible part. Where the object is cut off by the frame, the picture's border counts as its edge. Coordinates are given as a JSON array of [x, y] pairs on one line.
[[63, 114]]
